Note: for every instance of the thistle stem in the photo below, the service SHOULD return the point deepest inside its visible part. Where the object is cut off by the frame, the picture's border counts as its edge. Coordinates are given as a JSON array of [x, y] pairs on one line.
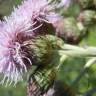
[[76, 51], [89, 63], [71, 47], [62, 59]]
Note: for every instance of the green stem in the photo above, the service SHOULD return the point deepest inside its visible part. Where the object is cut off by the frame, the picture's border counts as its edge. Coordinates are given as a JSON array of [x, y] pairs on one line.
[[76, 51], [90, 62], [71, 47], [87, 65], [62, 59]]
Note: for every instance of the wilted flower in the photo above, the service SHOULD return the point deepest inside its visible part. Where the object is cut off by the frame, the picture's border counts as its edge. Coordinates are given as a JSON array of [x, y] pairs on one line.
[[19, 27]]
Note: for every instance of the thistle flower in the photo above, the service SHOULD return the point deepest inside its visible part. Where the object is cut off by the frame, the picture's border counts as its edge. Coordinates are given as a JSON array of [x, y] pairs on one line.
[[19, 27]]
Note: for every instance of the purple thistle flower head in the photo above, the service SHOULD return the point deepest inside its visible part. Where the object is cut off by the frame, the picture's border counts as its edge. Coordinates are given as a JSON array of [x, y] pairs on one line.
[[14, 31]]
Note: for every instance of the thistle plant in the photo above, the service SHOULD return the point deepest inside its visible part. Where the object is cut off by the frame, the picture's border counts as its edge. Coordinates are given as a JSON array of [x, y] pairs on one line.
[[36, 35]]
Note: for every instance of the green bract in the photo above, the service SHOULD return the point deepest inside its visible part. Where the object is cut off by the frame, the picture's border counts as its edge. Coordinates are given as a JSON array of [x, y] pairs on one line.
[[42, 48], [41, 80], [70, 30], [88, 17]]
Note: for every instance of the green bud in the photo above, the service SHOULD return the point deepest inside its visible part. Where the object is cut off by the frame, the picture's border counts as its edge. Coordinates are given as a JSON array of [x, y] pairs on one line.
[[42, 48], [70, 30], [87, 17], [41, 80]]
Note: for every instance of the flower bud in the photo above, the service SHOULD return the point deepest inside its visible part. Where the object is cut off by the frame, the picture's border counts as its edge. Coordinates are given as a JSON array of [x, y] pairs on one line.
[[70, 30], [42, 48], [87, 17], [40, 81]]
